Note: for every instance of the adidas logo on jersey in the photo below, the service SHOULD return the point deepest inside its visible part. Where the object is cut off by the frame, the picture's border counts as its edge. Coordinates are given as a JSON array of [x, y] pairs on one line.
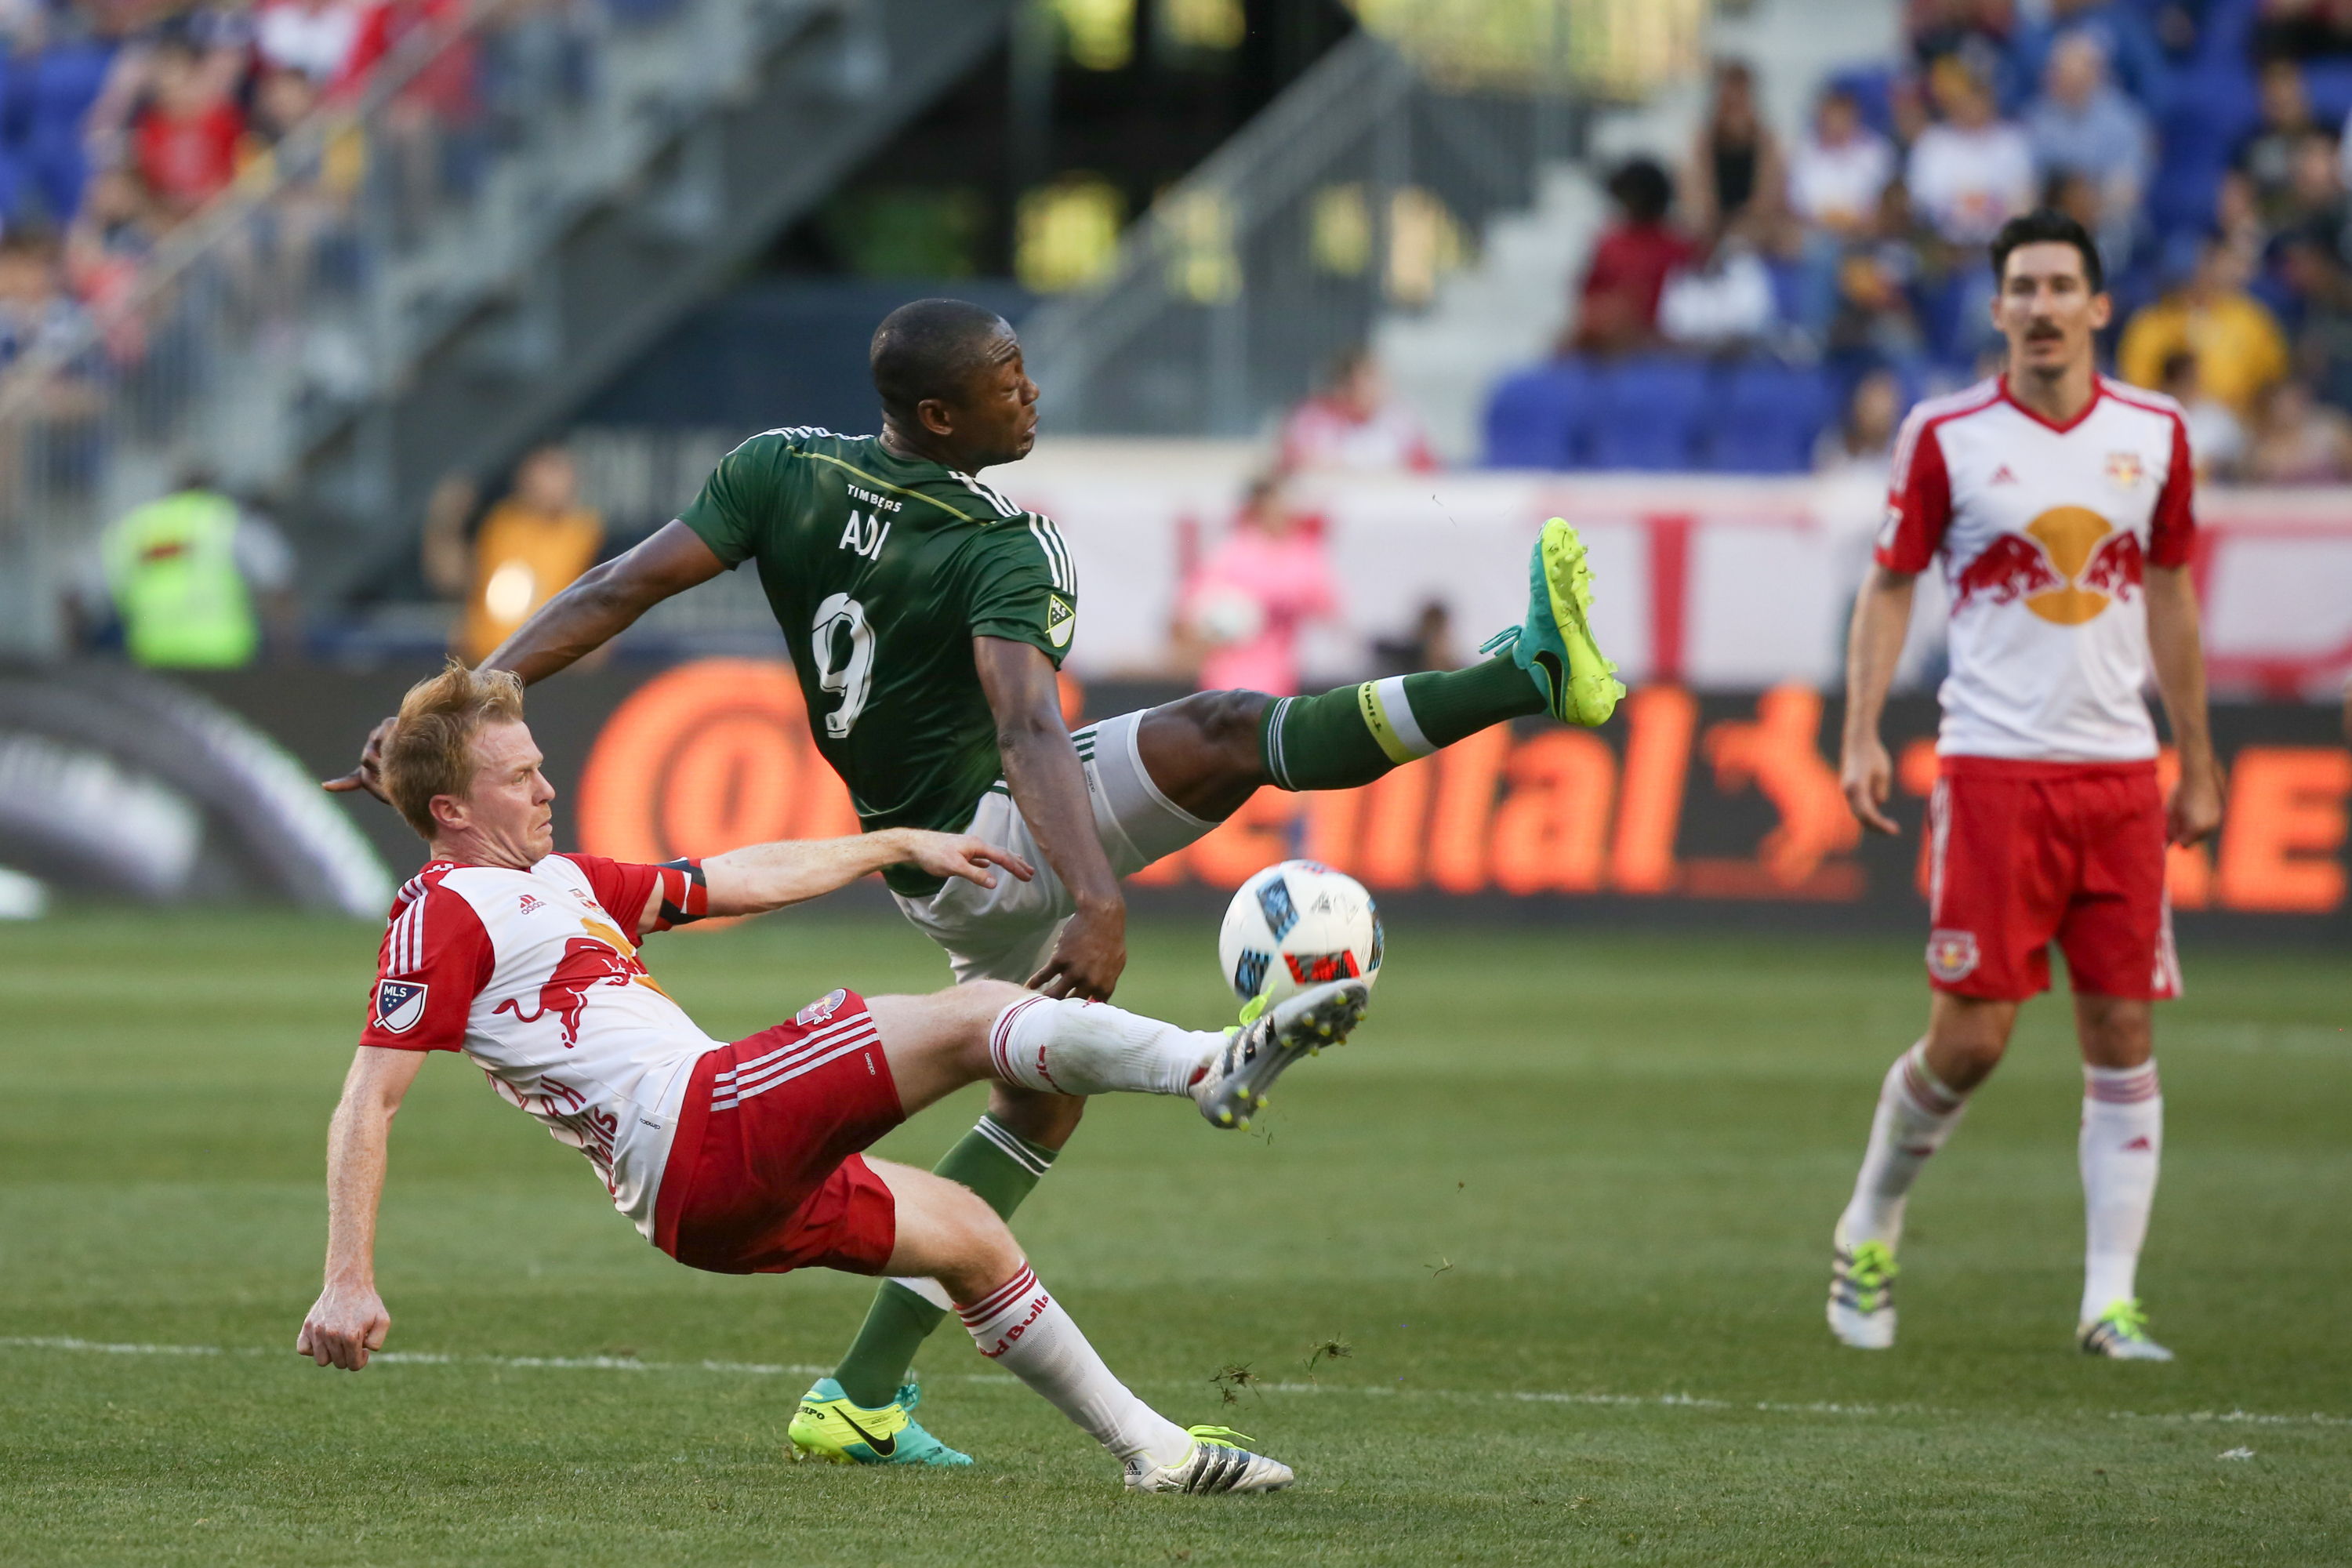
[[528, 905], [2001, 476]]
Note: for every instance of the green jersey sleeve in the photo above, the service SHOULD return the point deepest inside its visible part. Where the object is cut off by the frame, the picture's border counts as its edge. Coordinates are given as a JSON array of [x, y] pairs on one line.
[[745, 494], [1023, 587]]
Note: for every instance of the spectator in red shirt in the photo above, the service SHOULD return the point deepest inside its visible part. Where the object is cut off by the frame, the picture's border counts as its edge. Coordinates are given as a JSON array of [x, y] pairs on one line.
[[1618, 301], [184, 139], [1353, 423]]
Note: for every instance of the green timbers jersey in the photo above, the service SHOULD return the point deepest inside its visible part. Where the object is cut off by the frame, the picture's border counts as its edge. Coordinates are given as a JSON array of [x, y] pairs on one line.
[[881, 570]]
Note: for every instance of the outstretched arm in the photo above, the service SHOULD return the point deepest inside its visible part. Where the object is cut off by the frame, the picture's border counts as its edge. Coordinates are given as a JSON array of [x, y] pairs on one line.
[[348, 1321], [1882, 614], [603, 603], [1049, 785], [2178, 655], [763, 876]]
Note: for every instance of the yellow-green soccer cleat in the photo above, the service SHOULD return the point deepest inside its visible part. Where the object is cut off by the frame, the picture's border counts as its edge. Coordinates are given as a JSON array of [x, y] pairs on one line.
[[1554, 645], [2120, 1334], [1216, 1462], [828, 1427]]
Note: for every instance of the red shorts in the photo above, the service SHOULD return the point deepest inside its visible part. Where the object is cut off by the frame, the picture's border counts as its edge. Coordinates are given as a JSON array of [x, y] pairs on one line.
[[764, 1175], [2024, 852]]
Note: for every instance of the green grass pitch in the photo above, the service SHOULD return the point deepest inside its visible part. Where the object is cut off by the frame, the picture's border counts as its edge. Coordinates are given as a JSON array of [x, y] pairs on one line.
[[1565, 1200]]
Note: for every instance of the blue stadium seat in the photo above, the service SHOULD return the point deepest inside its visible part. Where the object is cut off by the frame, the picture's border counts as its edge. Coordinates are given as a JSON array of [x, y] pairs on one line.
[[2329, 84], [1647, 413], [59, 85], [1536, 419], [1764, 416]]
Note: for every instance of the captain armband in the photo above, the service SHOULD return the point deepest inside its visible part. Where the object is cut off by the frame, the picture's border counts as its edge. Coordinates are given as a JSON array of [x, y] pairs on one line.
[[684, 895]]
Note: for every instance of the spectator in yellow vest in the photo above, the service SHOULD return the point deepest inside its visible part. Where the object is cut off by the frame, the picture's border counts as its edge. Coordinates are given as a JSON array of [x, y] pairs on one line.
[[191, 576], [529, 548]]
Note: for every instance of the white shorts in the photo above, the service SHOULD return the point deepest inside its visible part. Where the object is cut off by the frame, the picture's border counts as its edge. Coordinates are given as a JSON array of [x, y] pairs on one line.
[[1004, 933]]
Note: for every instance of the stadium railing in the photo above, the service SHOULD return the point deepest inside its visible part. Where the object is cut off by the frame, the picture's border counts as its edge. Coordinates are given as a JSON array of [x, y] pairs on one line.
[[287, 309]]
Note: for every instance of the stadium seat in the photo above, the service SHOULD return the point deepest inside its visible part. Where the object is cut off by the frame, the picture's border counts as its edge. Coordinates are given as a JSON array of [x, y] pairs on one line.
[[1764, 416], [59, 85], [1536, 419], [1647, 413], [2329, 85]]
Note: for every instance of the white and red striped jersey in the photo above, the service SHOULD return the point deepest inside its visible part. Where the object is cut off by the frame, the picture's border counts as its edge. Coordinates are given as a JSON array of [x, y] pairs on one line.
[[534, 974], [2045, 531]]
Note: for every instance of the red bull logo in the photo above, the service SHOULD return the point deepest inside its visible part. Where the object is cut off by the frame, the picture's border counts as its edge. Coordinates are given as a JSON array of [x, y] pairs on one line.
[[2068, 566], [586, 963]]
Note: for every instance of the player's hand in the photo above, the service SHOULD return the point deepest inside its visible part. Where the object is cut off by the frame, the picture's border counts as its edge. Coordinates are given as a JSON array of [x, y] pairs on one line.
[[2194, 809], [961, 855], [345, 1324], [1867, 777], [369, 774], [1088, 957]]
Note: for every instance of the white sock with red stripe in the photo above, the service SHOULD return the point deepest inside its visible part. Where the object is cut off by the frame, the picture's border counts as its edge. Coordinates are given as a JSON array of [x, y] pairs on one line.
[[1024, 1330], [1917, 1111], [1069, 1047], [2122, 1144]]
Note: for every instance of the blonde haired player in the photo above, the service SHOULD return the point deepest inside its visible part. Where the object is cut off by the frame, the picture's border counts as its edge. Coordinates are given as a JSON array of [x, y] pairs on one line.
[[745, 1158], [2058, 504]]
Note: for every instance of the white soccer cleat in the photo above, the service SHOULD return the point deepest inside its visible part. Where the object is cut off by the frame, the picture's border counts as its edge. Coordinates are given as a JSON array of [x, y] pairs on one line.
[[1862, 1294], [1216, 1462], [2120, 1334], [1235, 1079]]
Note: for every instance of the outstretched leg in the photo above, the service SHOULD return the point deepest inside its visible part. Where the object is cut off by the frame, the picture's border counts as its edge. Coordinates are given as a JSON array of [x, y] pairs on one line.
[[1208, 753]]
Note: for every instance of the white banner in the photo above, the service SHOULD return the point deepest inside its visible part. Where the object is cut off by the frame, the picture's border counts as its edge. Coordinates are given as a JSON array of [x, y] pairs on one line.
[[1716, 582]]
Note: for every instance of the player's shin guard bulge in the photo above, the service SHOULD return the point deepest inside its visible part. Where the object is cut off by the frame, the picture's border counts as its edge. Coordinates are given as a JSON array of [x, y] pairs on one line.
[[1070, 1047]]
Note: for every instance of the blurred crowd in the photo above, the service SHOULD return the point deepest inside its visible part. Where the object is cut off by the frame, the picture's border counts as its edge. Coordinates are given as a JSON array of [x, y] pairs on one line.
[[2203, 141], [120, 119]]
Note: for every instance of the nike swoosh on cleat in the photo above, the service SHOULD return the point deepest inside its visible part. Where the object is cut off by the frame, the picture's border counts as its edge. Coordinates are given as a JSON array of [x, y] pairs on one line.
[[883, 1446], [1549, 661]]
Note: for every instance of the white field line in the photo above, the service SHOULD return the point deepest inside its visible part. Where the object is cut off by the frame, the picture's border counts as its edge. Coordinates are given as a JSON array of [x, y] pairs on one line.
[[1524, 1397]]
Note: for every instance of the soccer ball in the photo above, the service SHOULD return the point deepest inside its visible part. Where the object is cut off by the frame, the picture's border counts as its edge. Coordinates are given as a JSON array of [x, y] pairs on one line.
[[1297, 924]]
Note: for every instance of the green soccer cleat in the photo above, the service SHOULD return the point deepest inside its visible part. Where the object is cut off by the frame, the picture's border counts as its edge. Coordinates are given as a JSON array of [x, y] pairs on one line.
[[2120, 1334], [1555, 645], [1216, 1462], [1238, 1076], [828, 1427]]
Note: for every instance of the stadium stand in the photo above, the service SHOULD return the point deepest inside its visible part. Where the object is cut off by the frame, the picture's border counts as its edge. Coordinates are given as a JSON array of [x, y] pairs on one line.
[[2257, 169]]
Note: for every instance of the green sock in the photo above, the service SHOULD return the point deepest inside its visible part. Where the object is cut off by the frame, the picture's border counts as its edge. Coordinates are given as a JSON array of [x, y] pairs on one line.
[[1001, 1167], [1352, 736]]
